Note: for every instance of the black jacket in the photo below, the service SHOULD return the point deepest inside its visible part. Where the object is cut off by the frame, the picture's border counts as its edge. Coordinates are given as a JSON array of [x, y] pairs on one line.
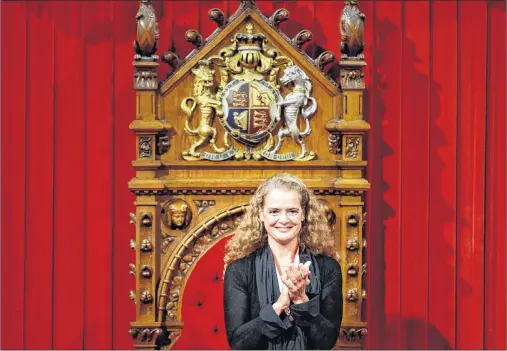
[[249, 327]]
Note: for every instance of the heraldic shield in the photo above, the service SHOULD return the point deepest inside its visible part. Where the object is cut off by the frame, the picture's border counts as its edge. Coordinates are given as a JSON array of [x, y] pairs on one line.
[[250, 109]]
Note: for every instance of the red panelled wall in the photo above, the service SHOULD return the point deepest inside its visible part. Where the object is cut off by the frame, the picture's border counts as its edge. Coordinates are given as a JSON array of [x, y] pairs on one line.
[[436, 210]]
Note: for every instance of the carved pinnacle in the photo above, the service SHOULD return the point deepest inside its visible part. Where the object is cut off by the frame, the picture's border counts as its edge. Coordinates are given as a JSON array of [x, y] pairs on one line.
[[302, 37], [194, 37], [324, 59], [171, 59], [217, 16], [280, 15]]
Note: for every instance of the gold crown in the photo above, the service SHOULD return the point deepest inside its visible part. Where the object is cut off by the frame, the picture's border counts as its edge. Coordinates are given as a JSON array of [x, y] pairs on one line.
[[249, 41]]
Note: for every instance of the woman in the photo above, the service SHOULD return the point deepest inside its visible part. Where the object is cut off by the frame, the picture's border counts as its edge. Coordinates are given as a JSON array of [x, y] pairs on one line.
[[282, 289]]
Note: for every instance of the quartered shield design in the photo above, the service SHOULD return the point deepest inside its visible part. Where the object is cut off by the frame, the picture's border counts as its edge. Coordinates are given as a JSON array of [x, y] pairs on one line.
[[249, 110]]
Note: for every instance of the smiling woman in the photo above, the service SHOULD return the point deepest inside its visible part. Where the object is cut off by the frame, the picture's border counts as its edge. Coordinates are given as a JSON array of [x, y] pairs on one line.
[[271, 299]]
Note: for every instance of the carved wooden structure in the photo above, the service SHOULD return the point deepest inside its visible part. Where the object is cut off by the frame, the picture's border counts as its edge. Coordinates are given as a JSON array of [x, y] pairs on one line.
[[190, 192]]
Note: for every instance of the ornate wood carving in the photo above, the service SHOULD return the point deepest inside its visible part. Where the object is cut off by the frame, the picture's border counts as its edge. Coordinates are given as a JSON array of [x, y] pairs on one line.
[[187, 122]]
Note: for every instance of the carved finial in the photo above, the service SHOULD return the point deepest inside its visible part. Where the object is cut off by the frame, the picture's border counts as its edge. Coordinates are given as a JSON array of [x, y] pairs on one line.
[[280, 15], [217, 16], [302, 37], [325, 58], [147, 32], [351, 30], [194, 37], [171, 59]]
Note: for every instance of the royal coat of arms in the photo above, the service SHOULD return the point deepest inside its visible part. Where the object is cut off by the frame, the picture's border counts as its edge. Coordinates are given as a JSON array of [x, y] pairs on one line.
[[250, 110], [248, 103]]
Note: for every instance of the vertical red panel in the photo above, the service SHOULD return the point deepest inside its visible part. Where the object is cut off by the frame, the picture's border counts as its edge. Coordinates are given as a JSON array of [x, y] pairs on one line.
[[415, 171], [470, 173], [304, 18], [98, 53], [386, 136], [14, 81], [325, 29], [207, 26], [123, 153], [69, 178], [39, 180], [373, 196], [232, 6], [494, 322], [266, 7], [165, 14], [293, 25], [183, 23], [442, 176]]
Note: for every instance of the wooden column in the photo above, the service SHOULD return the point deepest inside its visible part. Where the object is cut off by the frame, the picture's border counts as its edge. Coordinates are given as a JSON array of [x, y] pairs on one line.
[[152, 141], [347, 139]]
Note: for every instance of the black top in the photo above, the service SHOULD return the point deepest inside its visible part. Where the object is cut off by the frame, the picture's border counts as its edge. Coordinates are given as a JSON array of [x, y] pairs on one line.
[[249, 327]]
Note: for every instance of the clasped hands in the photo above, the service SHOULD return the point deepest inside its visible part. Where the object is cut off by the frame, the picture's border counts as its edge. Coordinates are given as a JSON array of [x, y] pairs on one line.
[[295, 280]]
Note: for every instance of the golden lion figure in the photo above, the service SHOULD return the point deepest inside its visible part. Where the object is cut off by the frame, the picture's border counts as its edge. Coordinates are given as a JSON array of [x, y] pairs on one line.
[[209, 106]]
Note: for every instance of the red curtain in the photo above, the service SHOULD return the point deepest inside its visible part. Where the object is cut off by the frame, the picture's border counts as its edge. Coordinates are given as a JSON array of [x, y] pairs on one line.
[[436, 210]]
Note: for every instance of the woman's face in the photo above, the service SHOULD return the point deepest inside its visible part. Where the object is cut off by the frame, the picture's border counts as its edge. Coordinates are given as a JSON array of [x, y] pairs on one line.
[[282, 215]]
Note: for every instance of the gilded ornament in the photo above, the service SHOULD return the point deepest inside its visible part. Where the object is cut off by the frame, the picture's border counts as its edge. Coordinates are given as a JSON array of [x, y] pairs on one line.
[[205, 98]]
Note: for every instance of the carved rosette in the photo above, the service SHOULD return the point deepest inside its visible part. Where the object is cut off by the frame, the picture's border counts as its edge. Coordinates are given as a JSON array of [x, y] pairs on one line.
[[353, 259], [203, 205]]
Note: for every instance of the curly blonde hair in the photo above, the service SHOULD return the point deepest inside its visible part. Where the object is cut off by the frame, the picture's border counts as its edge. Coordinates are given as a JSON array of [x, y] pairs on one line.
[[251, 235]]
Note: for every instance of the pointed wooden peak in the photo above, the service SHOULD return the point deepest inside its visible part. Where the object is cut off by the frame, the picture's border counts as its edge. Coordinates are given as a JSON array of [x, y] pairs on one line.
[[248, 13]]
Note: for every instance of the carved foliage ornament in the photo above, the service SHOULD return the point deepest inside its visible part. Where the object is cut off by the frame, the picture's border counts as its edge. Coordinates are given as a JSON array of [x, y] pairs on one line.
[[353, 334], [203, 205], [352, 79], [352, 147], [145, 79], [248, 103], [145, 146]]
